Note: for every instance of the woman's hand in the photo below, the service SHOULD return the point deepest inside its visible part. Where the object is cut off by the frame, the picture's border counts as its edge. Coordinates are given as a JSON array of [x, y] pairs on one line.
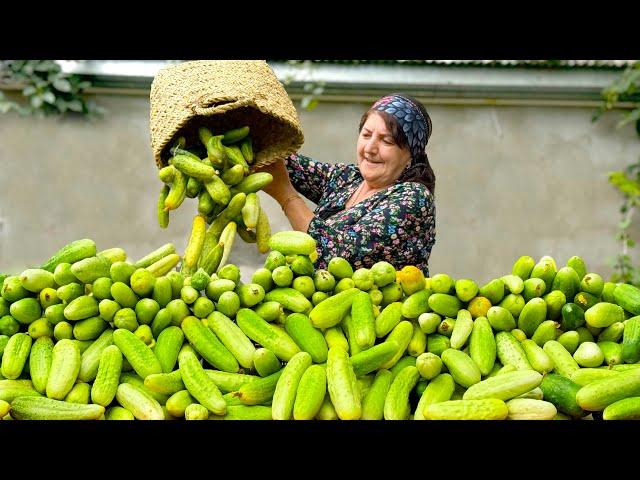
[[280, 188]]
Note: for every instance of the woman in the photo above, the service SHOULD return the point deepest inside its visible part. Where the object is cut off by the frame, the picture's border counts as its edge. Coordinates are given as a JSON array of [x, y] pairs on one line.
[[380, 209]]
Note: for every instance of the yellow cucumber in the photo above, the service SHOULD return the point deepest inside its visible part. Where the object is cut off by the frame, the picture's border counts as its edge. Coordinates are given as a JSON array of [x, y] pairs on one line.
[[65, 366], [342, 386], [140, 403], [530, 409], [155, 255], [505, 386], [164, 265], [486, 409], [195, 411], [195, 243], [227, 238], [284, 395], [178, 403], [263, 231], [251, 210]]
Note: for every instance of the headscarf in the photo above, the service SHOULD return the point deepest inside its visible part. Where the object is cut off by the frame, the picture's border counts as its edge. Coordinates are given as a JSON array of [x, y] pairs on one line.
[[416, 128]]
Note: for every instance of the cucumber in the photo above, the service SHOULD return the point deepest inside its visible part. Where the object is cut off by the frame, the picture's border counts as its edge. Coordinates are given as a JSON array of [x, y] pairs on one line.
[[139, 402], [15, 355], [40, 408], [262, 332], [137, 353], [167, 347], [284, 395], [341, 383], [292, 242], [396, 405], [504, 387], [65, 367], [486, 409], [70, 253], [510, 352], [40, 362], [625, 409], [310, 393], [374, 400], [199, 384], [461, 367], [90, 359], [561, 391], [106, 383], [233, 338], [602, 393], [207, 344], [564, 364], [530, 409], [307, 337]]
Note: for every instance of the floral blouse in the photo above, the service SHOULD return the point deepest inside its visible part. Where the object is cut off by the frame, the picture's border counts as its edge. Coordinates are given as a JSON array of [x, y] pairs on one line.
[[396, 224]]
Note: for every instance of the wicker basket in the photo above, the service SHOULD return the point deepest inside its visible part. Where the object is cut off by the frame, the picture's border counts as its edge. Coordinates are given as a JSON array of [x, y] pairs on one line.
[[221, 95]]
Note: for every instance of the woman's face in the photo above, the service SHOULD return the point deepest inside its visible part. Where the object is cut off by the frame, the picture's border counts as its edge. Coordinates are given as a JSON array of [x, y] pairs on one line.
[[380, 160]]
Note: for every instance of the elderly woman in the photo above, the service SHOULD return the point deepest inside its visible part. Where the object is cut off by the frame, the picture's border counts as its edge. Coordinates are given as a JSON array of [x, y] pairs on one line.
[[383, 207]]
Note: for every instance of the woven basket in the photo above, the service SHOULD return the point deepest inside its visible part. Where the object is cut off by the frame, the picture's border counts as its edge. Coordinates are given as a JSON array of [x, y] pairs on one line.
[[221, 95]]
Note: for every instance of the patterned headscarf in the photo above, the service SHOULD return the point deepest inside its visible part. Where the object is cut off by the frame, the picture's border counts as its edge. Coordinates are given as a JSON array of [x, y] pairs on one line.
[[416, 128]]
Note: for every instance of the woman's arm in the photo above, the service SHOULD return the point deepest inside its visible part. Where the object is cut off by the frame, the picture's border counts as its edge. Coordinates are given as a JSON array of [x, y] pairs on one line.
[[299, 174], [400, 230]]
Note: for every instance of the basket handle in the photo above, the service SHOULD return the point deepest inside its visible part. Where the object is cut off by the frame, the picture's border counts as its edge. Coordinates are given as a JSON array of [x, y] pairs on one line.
[[206, 105]]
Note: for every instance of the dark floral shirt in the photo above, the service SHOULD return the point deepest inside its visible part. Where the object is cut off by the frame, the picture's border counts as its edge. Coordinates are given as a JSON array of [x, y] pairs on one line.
[[396, 224]]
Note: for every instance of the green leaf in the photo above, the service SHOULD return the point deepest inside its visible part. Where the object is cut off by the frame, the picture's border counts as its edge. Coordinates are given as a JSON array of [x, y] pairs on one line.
[[62, 84], [36, 101], [75, 105], [624, 223], [28, 90], [49, 97]]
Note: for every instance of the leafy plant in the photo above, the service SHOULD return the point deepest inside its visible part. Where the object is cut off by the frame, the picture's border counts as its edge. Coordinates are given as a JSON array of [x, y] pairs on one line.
[[47, 89], [626, 88]]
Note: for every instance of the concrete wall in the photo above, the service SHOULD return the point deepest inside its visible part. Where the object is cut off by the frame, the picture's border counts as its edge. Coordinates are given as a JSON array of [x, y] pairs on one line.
[[511, 181]]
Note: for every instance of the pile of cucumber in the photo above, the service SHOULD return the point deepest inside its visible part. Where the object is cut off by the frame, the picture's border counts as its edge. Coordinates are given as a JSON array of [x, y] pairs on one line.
[[94, 335]]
